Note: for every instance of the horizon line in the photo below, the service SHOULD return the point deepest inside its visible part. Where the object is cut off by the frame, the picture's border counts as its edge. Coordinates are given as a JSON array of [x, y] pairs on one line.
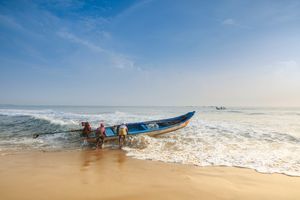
[[229, 106]]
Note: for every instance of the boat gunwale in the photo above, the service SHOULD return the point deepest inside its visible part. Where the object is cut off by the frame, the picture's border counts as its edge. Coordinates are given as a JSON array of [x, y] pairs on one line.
[[188, 115]]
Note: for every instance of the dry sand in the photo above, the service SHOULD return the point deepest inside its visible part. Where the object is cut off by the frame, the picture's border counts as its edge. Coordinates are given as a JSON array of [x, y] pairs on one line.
[[109, 174]]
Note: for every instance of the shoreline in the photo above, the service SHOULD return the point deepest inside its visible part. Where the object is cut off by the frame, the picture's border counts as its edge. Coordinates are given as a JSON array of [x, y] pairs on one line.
[[37, 151], [110, 174]]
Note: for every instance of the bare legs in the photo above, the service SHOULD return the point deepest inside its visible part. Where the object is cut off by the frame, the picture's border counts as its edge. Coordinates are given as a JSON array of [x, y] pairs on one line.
[[121, 140]]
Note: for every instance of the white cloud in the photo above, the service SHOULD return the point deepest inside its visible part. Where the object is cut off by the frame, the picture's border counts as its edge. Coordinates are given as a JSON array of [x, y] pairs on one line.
[[287, 70], [118, 60], [131, 9], [229, 21], [93, 23], [233, 23], [289, 64], [10, 22], [75, 39]]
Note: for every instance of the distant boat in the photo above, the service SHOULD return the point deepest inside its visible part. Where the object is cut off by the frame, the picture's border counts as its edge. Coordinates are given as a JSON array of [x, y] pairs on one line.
[[151, 128], [221, 108]]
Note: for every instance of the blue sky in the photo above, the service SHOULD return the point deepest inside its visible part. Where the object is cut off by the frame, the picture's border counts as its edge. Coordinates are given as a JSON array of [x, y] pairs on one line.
[[151, 52]]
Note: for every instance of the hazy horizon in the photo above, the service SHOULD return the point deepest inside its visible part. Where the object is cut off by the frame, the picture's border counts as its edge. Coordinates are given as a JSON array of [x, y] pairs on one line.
[[203, 106], [150, 53]]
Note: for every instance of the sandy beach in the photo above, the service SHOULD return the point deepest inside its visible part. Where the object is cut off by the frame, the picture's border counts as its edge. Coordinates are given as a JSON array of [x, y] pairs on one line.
[[110, 174]]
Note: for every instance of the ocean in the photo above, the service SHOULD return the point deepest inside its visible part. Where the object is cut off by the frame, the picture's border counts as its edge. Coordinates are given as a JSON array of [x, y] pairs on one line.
[[264, 139]]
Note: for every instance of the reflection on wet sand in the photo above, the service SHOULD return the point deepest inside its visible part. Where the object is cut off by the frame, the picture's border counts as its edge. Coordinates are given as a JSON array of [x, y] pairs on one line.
[[99, 157], [99, 164], [90, 157], [121, 158]]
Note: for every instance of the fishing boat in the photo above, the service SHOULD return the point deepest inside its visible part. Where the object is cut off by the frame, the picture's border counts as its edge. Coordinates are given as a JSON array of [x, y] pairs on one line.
[[151, 128], [221, 108]]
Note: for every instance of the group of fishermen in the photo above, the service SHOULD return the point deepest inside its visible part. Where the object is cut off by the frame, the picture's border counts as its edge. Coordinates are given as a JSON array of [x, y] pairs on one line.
[[122, 131]]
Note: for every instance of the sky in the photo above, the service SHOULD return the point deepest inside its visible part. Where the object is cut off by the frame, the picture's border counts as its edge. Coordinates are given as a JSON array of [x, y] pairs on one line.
[[150, 52]]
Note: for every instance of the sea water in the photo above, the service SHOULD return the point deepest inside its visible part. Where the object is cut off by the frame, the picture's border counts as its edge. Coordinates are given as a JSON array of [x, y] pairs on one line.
[[264, 139]]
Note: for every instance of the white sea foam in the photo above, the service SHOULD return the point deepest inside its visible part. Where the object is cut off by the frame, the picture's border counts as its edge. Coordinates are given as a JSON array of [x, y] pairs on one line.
[[206, 143]]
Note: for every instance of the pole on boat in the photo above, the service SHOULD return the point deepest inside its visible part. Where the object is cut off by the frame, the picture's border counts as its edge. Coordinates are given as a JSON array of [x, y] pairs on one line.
[[50, 133]]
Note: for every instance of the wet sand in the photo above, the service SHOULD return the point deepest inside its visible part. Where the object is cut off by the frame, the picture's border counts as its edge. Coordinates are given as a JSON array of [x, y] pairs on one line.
[[109, 174]]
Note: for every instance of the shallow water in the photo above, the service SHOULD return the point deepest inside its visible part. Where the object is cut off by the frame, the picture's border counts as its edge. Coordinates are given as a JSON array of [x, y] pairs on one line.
[[264, 139]]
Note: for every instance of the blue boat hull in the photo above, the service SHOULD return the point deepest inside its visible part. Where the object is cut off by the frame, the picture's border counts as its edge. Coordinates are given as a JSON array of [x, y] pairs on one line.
[[151, 128]]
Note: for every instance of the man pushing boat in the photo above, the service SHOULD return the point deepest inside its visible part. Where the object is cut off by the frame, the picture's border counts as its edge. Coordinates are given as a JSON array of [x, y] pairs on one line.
[[100, 136], [86, 129], [122, 132]]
